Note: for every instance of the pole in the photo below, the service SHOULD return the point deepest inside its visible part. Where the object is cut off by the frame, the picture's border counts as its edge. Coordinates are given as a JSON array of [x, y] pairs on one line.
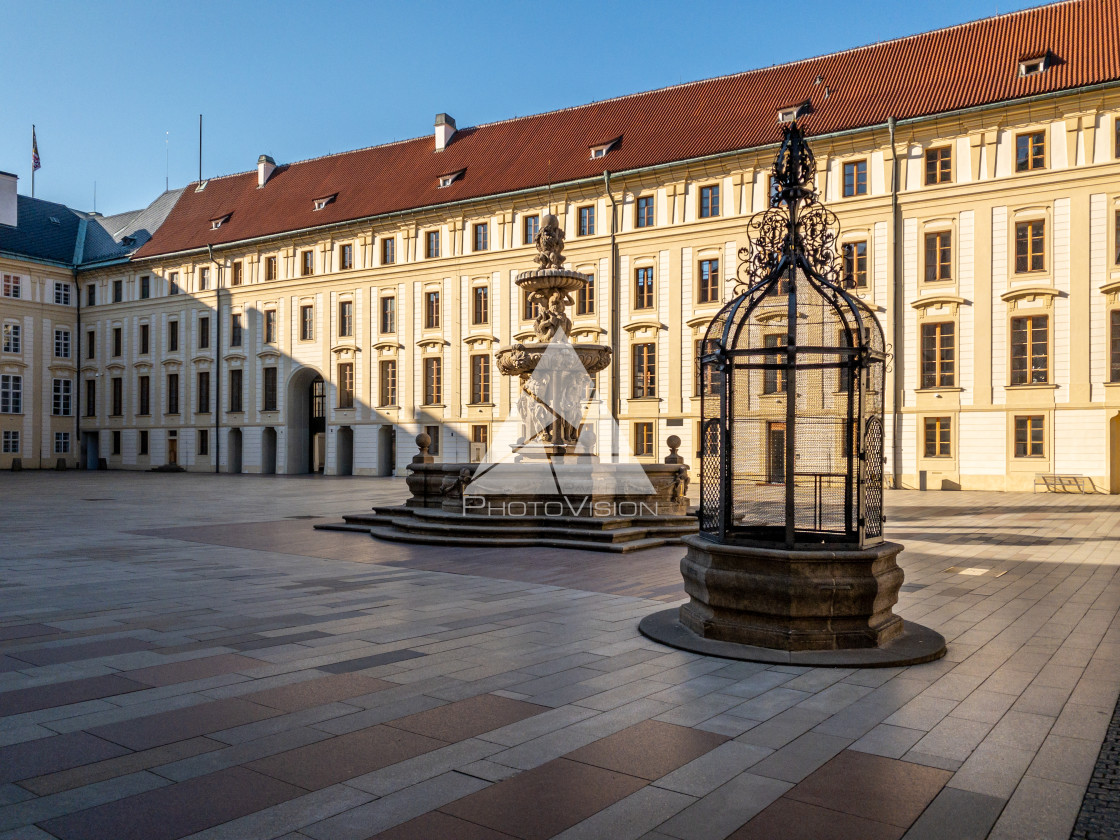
[[32, 160], [200, 148]]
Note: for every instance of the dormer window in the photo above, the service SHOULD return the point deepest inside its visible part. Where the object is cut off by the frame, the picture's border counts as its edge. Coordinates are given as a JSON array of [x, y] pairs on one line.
[[201, 186], [218, 222], [601, 149], [320, 203], [1036, 64], [795, 112], [450, 178]]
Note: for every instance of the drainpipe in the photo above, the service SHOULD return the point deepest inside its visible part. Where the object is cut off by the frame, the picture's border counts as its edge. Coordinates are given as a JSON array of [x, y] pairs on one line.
[[217, 360], [896, 313], [616, 308], [76, 345]]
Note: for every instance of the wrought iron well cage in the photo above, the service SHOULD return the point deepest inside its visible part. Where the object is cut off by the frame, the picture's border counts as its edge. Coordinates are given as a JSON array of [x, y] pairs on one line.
[[792, 378]]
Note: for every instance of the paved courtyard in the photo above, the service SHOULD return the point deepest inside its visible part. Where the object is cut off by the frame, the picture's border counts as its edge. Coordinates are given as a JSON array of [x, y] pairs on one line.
[[182, 655]]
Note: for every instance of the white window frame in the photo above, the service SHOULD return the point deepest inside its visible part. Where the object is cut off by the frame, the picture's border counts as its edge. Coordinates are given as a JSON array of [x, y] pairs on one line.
[[13, 338], [11, 442], [62, 343], [62, 398], [11, 393], [61, 443], [62, 293]]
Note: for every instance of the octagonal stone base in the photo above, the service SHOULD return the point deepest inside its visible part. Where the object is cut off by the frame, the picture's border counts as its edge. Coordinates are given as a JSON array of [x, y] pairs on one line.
[[800, 600]]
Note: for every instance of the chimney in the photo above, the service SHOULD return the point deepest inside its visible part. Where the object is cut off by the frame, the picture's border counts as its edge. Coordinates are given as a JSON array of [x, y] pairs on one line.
[[265, 165], [9, 215], [445, 130]]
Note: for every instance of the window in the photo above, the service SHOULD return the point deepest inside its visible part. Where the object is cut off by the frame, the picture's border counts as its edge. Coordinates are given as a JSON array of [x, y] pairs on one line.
[[433, 381], [643, 440], [91, 294], [1030, 246], [11, 443], [270, 326], [203, 332], [203, 392], [586, 220], [118, 341], [939, 355], [91, 397], [238, 275], [307, 263], [12, 338], [61, 443], [1029, 439], [203, 279], [270, 268], [585, 298], [709, 201], [13, 286], [118, 291], [1030, 151], [172, 336], [939, 256], [118, 397], [145, 287], [939, 165], [172, 393], [433, 433], [62, 294], [387, 393], [91, 344], [709, 281], [431, 311], [532, 228], [172, 283], [143, 442], [145, 339], [346, 318], [643, 288], [236, 390], [644, 212], [480, 311], [11, 394], [703, 382], [144, 394], [431, 240], [307, 323], [1116, 225], [345, 257], [235, 330], [203, 441], [530, 306], [346, 385], [116, 442], [774, 381], [645, 370], [482, 237], [855, 265], [388, 314], [480, 380], [388, 251], [1030, 364], [1114, 346], [61, 404], [269, 401], [855, 178], [773, 190]]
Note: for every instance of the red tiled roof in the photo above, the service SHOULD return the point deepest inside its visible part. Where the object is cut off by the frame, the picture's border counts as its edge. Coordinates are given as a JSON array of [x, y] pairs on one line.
[[963, 66]]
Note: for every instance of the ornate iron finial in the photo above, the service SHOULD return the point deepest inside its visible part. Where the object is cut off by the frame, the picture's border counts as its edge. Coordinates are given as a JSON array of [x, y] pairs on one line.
[[550, 244], [794, 168]]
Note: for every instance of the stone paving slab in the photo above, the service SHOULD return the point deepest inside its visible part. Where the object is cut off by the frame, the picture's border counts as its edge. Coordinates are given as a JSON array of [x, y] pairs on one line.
[[219, 651]]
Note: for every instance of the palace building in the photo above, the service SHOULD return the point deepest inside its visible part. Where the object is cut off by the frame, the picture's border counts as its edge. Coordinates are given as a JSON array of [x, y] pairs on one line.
[[318, 314]]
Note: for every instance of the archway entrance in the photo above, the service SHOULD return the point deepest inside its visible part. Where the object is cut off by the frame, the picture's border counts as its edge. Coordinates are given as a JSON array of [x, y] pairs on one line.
[[386, 450], [234, 454], [307, 421]]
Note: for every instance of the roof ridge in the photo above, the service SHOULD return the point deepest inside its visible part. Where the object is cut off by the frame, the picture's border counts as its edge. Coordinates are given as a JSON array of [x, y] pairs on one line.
[[679, 86]]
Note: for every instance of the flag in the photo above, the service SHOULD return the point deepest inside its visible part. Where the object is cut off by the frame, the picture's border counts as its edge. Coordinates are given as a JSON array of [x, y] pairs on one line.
[[35, 164]]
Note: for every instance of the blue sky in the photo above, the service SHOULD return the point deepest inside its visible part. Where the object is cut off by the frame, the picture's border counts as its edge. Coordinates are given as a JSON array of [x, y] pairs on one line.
[[109, 83]]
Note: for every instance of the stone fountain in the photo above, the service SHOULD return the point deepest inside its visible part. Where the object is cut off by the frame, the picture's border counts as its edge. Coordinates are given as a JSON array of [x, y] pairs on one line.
[[545, 481]]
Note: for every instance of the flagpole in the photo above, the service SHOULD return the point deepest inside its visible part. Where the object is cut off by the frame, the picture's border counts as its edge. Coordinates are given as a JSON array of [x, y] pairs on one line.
[[33, 160]]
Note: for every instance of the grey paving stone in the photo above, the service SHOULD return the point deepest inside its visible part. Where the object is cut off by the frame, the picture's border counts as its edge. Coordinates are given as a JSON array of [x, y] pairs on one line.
[[724, 809], [800, 757], [889, 741], [715, 768], [426, 766], [957, 815], [46, 807], [1040, 809], [295, 813], [630, 818], [993, 769]]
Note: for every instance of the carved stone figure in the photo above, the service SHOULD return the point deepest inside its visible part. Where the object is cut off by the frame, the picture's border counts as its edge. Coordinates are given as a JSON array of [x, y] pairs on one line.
[[680, 484], [454, 486], [552, 319], [550, 243]]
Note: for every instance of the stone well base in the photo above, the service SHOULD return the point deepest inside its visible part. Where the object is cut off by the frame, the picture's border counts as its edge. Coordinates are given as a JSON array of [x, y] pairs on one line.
[[813, 600]]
